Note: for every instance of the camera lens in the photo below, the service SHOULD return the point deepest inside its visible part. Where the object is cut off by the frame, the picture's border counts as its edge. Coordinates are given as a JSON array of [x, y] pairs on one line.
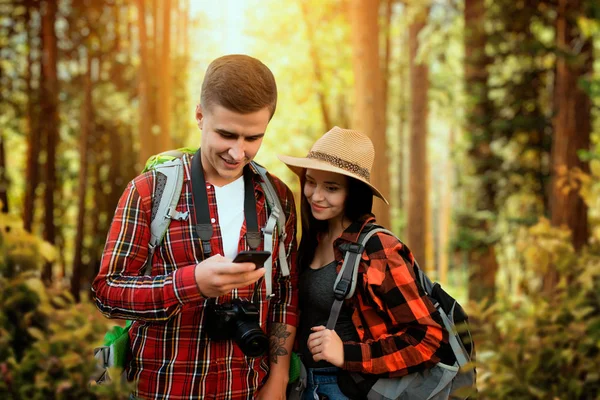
[[251, 339]]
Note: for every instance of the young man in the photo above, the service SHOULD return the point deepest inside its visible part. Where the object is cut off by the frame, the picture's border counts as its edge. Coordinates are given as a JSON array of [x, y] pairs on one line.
[[174, 357]]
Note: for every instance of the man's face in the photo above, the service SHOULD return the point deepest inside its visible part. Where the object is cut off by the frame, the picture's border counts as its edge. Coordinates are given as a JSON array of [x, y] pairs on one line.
[[230, 140]]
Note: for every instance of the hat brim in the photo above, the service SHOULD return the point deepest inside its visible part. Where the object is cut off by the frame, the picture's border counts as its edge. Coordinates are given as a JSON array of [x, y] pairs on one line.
[[298, 165]]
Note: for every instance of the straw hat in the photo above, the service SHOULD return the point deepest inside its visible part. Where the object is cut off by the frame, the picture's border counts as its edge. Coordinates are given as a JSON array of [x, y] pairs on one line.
[[342, 151]]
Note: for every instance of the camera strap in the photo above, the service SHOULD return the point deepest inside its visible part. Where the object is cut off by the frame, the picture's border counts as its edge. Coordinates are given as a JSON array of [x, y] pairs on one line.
[[204, 228]]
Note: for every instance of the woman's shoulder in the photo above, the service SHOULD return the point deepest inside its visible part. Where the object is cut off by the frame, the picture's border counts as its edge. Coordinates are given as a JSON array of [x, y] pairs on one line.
[[384, 244], [379, 235]]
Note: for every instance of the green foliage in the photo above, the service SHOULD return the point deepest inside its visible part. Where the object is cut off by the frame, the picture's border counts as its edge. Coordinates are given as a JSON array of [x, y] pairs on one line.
[[46, 340], [543, 345]]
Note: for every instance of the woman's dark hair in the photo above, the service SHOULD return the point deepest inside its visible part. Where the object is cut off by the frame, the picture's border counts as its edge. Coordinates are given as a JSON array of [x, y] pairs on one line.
[[359, 202]]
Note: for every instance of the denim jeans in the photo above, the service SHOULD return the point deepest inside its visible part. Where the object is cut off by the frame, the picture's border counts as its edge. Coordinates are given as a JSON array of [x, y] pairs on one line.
[[322, 384]]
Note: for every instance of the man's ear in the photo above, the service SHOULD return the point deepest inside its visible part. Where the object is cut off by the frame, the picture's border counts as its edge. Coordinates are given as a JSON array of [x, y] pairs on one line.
[[199, 116]]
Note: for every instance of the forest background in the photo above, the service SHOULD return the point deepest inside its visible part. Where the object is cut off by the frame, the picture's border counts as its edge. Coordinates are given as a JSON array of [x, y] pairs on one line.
[[484, 115]]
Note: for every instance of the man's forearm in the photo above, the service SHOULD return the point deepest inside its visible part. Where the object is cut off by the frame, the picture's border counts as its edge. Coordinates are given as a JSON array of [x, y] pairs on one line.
[[281, 342]]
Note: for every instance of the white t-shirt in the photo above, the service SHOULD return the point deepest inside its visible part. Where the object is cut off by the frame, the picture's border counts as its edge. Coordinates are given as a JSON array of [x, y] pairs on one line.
[[230, 208]]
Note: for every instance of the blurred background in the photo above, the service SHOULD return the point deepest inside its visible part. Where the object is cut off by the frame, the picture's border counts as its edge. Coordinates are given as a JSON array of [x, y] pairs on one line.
[[484, 115]]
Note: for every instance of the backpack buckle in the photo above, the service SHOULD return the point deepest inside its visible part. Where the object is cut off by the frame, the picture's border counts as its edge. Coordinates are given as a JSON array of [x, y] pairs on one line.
[[341, 289], [176, 215], [355, 248]]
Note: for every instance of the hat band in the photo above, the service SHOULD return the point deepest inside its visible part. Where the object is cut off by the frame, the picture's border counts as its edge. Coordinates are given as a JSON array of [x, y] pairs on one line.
[[340, 163]]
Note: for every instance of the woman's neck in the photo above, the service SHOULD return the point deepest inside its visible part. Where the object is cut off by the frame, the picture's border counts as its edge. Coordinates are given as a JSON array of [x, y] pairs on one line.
[[337, 226]]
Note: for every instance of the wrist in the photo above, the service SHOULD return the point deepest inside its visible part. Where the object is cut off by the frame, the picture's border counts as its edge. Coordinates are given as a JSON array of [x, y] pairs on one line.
[[279, 375]]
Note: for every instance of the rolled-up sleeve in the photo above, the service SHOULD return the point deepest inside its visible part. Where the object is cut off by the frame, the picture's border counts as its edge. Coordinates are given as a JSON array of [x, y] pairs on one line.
[[409, 338], [120, 290]]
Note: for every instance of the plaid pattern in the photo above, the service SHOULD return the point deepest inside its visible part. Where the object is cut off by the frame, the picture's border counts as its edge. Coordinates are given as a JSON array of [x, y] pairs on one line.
[[172, 356], [400, 331]]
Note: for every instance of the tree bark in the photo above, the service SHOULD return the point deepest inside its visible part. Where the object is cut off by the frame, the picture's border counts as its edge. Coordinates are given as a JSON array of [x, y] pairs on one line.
[[369, 113], [402, 118], [86, 127], [4, 183], [33, 133], [482, 258], [146, 139], [49, 101], [418, 197], [445, 218], [572, 126], [387, 34], [164, 99]]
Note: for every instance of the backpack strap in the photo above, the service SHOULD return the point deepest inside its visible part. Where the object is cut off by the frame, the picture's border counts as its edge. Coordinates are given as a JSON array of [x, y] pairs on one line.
[[461, 354], [275, 221], [345, 283], [166, 210], [169, 197]]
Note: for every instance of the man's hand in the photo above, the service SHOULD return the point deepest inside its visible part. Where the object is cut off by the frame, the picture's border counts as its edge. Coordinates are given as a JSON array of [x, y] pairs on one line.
[[274, 388], [325, 344], [218, 275]]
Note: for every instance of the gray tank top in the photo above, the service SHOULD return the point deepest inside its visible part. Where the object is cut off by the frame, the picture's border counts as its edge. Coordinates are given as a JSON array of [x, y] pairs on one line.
[[316, 299]]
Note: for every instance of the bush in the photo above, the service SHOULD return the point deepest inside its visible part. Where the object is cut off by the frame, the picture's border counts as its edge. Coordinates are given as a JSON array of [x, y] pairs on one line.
[[46, 339], [543, 345]]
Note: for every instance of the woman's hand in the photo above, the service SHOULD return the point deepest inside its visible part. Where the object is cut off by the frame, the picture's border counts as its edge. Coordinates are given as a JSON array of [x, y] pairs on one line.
[[325, 344]]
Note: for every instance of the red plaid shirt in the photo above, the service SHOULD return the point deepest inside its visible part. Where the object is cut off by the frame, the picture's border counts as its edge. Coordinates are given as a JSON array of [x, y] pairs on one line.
[[399, 329], [172, 356]]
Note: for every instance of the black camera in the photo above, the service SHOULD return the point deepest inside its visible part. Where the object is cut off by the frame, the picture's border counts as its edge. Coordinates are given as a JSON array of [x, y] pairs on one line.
[[237, 320]]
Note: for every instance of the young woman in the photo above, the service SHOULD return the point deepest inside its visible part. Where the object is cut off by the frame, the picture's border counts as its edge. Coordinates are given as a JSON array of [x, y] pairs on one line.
[[389, 328]]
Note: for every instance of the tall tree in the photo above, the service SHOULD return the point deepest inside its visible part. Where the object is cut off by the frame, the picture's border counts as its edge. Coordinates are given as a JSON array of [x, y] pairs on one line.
[[165, 84], [369, 112], [49, 112], [402, 111], [86, 128], [33, 128], [482, 257], [418, 197], [572, 124], [146, 138], [3, 177], [387, 51]]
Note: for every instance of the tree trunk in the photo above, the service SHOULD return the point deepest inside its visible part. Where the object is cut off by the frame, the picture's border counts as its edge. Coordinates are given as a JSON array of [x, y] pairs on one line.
[[445, 218], [146, 138], [418, 198], [50, 116], [33, 133], [164, 99], [571, 126], [317, 70], [4, 183], [86, 127], [369, 112], [402, 118], [482, 258], [387, 35]]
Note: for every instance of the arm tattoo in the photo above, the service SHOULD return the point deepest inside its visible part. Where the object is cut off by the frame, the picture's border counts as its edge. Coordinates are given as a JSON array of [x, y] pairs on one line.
[[277, 341]]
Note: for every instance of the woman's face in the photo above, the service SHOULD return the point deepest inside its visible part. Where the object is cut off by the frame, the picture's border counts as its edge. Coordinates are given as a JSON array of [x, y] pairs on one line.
[[326, 193]]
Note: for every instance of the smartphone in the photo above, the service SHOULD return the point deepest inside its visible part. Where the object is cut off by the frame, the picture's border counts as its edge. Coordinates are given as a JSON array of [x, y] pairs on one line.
[[253, 256]]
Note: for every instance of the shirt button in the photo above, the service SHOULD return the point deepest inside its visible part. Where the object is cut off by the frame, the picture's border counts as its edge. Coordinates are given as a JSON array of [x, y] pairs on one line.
[[213, 220]]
